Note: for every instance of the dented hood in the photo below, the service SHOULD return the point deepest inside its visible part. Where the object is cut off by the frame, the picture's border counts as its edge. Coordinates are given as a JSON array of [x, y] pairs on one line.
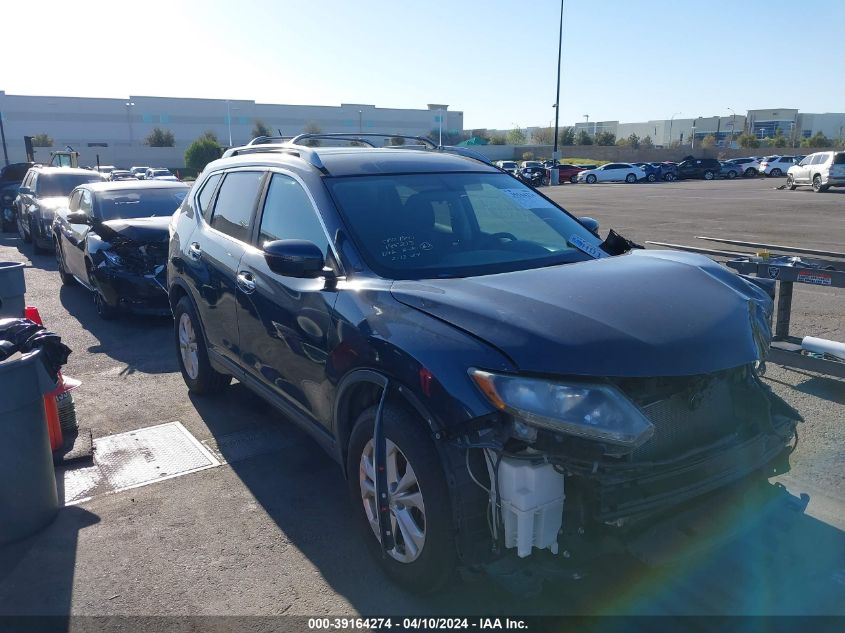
[[648, 313], [136, 230]]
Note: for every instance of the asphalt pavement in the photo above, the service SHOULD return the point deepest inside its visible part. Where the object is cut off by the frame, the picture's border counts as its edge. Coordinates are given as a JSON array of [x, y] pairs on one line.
[[270, 531]]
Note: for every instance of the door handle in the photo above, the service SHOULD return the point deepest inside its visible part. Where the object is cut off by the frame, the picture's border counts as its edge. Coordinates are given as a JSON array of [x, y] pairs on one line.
[[246, 282], [194, 251]]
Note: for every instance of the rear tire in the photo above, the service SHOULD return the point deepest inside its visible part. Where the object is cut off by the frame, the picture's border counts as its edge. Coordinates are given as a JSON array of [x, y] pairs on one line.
[[573, 179], [631, 178], [750, 172], [651, 178], [432, 565], [818, 187], [197, 372], [776, 173], [709, 175], [669, 177], [731, 175]]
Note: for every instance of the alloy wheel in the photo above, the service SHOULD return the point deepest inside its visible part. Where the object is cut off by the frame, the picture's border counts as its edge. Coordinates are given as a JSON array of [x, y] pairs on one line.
[[407, 509], [188, 346]]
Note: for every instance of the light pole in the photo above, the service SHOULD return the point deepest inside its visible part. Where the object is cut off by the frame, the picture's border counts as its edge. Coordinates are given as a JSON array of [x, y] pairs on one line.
[[557, 91], [360, 121], [440, 128], [129, 106], [6, 153], [692, 140], [733, 126], [229, 121], [671, 121]]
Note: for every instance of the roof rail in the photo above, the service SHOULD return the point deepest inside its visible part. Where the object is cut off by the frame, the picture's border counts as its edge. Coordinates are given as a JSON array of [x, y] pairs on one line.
[[264, 140], [306, 153], [360, 138]]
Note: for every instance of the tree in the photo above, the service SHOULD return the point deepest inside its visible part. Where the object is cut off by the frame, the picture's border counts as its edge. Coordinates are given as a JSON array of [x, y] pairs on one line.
[[516, 137], [543, 136], [748, 141], [42, 140], [480, 133], [160, 138], [583, 138], [397, 140], [779, 140], [708, 141], [817, 140], [202, 151], [621, 142], [567, 136], [527, 155], [313, 128], [647, 143], [605, 138], [498, 139], [260, 128]]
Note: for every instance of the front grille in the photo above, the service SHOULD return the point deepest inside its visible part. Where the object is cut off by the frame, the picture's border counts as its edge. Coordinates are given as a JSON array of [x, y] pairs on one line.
[[690, 413], [143, 259]]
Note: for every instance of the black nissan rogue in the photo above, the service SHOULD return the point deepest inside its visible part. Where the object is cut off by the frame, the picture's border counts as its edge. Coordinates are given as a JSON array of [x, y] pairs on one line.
[[467, 350]]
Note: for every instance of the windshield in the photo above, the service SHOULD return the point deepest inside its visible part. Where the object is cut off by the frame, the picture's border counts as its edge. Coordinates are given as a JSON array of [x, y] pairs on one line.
[[413, 226], [161, 172], [139, 203], [507, 165], [53, 185]]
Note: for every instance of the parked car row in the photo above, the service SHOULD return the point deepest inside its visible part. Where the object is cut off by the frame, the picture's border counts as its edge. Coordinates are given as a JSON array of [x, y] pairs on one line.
[[110, 172], [435, 327]]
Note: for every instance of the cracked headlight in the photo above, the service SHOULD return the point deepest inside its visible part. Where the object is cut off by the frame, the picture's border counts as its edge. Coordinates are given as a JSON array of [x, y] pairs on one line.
[[590, 410], [112, 258]]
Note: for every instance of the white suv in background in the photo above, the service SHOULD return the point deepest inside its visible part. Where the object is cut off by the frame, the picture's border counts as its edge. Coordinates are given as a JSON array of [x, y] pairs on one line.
[[820, 170], [776, 165]]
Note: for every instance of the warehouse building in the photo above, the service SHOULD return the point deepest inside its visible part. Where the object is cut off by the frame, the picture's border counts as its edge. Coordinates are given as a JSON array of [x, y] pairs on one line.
[[116, 129]]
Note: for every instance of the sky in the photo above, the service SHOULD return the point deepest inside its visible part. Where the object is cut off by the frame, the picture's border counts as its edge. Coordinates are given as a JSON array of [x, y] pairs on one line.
[[495, 60]]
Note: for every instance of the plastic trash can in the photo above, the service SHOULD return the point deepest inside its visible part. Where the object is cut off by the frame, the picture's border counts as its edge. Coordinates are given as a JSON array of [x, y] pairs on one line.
[[28, 496], [12, 289]]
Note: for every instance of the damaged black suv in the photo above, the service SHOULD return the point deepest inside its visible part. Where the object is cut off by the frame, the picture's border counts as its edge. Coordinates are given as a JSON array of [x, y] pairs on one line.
[[494, 378]]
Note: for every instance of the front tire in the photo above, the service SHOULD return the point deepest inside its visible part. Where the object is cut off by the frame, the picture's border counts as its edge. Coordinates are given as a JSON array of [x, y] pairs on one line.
[[425, 553], [731, 175], [27, 238], [66, 277], [790, 182], [573, 179], [197, 372], [709, 175], [651, 178], [669, 177], [591, 179]]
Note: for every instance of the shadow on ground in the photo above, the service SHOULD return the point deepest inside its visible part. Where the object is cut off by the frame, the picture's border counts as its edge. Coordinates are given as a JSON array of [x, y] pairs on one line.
[[756, 552], [136, 341]]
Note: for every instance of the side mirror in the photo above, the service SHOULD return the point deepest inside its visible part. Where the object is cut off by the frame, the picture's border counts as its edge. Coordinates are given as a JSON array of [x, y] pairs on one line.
[[294, 258], [591, 224], [79, 217], [25, 191]]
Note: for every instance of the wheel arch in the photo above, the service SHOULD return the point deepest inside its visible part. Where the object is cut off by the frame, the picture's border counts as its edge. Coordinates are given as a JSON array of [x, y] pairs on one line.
[[359, 390]]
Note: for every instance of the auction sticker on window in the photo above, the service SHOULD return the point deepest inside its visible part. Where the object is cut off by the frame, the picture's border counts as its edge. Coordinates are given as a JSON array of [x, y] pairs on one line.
[[527, 199], [593, 251], [814, 277]]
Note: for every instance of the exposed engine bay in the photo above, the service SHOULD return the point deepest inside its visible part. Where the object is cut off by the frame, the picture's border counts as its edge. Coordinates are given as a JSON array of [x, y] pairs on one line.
[[536, 488]]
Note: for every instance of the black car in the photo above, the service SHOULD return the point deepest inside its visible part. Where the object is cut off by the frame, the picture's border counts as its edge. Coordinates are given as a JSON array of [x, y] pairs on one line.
[[11, 177], [706, 168], [113, 237], [45, 190], [463, 346]]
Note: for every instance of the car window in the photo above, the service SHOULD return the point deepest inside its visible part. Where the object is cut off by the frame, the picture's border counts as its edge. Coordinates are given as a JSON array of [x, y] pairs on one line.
[[57, 185], [139, 203], [74, 201], [206, 193], [414, 226], [85, 203], [839, 159], [289, 215], [235, 202]]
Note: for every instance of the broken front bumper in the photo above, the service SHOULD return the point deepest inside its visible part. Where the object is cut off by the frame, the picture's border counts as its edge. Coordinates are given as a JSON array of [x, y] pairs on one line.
[[131, 291]]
